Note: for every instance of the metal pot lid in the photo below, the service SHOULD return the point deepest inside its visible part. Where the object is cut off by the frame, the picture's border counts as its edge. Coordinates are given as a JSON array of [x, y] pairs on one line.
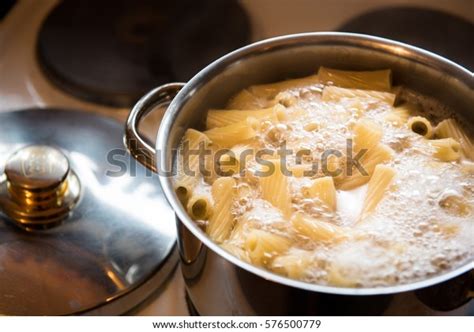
[[84, 228]]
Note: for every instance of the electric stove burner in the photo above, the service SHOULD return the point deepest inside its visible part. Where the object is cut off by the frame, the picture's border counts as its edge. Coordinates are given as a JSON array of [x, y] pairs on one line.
[[442, 33], [113, 51]]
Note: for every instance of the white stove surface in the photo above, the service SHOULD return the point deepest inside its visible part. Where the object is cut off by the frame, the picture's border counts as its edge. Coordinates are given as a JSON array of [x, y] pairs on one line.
[[23, 85]]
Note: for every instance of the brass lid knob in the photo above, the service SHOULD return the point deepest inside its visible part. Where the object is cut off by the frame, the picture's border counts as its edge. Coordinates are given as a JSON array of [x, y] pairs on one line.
[[37, 168], [40, 188]]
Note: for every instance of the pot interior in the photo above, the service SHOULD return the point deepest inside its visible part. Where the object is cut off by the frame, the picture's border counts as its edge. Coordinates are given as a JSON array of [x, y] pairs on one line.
[[297, 56]]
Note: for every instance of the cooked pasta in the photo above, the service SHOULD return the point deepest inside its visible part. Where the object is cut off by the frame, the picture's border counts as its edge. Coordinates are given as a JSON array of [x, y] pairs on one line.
[[230, 135], [221, 221], [189, 163], [317, 230], [211, 166], [235, 250], [221, 118], [325, 180], [450, 128], [243, 151], [335, 94], [293, 265], [275, 189], [378, 184], [262, 246], [421, 126], [379, 154], [367, 135], [399, 115], [273, 89], [199, 207], [380, 80], [324, 190], [447, 149], [245, 100]]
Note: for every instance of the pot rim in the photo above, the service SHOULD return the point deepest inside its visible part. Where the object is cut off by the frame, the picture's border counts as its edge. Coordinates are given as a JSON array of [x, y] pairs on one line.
[[409, 52]]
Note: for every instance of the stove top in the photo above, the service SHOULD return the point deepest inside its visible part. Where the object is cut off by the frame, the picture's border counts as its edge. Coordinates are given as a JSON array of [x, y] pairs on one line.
[[112, 52], [35, 72], [445, 34]]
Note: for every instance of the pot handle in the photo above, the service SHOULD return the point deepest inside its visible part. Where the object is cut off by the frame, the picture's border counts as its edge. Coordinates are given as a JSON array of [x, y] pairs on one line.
[[136, 145]]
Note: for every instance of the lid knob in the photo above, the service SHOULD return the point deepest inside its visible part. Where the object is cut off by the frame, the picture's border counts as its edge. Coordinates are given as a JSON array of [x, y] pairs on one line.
[[40, 188], [37, 168]]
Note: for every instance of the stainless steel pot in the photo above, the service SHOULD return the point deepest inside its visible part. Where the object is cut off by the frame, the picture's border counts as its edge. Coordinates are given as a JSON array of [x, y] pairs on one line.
[[219, 283]]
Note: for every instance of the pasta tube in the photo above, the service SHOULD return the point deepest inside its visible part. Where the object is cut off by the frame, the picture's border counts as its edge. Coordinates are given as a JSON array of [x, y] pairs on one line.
[[450, 128], [377, 155], [262, 246], [317, 230], [210, 161], [378, 184], [335, 94], [270, 91], [221, 221], [369, 80], [230, 135], [245, 100], [293, 265], [323, 189], [399, 115], [421, 126], [275, 189], [236, 251], [447, 149], [221, 118], [367, 134], [188, 164], [199, 207]]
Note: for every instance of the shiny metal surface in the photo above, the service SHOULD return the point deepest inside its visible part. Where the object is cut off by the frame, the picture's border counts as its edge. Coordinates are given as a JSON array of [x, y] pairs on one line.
[[240, 288], [39, 188], [117, 245], [37, 167], [138, 147]]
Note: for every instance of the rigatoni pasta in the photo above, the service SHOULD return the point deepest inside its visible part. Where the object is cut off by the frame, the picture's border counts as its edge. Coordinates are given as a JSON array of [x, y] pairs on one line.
[[367, 135], [378, 184], [450, 128], [324, 190], [399, 115], [338, 178], [189, 163], [221, 221], [446, 149], [230, 135], [334, 94], [317, 230], [269, 91], [275, 188], [357, 176], [245, 100], [293, 265], [380, 80], [199, 207], [221, 118], [421, 125], [263, 246]]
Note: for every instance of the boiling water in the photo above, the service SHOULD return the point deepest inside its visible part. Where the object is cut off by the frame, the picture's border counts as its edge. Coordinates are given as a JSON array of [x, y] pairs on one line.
[[424, 225]]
